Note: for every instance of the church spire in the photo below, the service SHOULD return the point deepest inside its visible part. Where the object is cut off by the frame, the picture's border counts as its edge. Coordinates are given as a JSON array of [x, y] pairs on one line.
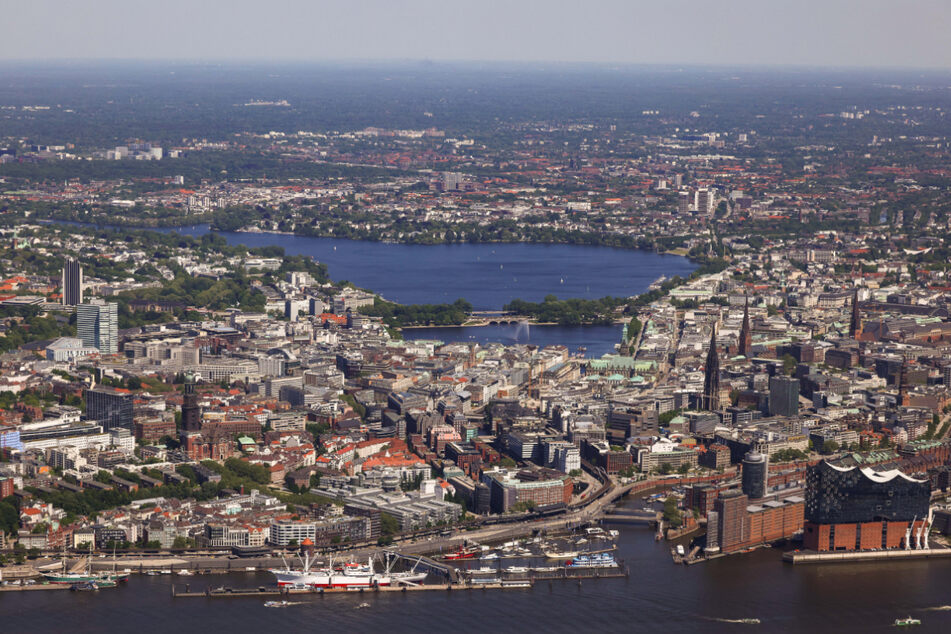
[[746, 336], [855, 324], [711, 378]]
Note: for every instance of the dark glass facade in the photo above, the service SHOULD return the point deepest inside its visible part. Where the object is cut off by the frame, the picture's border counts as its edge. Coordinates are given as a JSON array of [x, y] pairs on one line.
[[839, 496], [755, 470], [109, 408], [783, 396]]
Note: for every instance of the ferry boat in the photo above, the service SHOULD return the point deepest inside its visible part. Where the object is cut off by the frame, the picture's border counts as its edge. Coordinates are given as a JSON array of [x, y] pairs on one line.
[[905, 622], [599, 560]]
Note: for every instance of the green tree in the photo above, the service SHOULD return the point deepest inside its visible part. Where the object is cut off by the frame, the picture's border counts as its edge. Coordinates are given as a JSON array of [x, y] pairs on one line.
[[389, 525]]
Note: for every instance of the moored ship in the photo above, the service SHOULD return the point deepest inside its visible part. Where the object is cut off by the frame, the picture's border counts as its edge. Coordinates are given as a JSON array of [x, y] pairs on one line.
[[349, 575]]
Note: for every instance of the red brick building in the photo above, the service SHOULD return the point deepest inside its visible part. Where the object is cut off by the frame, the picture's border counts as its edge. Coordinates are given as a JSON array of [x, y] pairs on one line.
[[741, 525], [860, 536]]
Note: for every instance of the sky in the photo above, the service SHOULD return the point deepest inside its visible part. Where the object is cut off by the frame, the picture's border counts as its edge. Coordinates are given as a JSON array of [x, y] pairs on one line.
[[864, 33]]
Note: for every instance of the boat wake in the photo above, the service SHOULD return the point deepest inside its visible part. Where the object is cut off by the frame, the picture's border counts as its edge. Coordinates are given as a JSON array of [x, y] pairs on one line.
[[738, 621], [938, 608]]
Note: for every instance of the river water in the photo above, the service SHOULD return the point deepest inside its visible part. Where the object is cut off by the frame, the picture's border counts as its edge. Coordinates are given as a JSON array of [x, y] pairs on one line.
[[659, 596]]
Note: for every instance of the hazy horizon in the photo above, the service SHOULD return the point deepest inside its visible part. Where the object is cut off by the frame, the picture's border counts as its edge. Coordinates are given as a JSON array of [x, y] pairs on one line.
[[741, 33]]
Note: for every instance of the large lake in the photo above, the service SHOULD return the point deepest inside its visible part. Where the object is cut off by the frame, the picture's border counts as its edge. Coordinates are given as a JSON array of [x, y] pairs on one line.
[[487, 275]]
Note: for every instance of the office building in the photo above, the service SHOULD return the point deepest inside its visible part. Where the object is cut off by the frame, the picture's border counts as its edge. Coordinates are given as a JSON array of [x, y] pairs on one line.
[[97, 324], [783, 396], [109, 407], [683, 203], [734, 528], [755, 475], [542, 487], [72, 283], [705, 200], [283, 532]]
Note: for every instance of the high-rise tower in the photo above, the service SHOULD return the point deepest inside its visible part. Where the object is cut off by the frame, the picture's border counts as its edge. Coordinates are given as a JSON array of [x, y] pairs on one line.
[[72, 282], [97, 324]]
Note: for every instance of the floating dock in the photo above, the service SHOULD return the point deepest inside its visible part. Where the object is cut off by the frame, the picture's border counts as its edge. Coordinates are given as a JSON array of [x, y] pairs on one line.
[[35, 586], [813, 557]]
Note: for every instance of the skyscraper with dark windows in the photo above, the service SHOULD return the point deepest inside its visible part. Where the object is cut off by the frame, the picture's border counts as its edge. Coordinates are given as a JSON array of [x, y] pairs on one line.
[[755, 475], [72, 282], [109, 407], [783, 396]]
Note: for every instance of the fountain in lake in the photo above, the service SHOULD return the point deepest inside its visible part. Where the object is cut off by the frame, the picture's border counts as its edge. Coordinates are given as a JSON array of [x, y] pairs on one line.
[[522, 334]]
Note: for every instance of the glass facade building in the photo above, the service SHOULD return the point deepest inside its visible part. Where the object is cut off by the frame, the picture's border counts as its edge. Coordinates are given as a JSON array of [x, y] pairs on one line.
[[839, 495]]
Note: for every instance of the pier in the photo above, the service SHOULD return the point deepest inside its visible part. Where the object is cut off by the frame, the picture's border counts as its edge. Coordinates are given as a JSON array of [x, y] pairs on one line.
[[813, 557], [273, 591], [35, 586]]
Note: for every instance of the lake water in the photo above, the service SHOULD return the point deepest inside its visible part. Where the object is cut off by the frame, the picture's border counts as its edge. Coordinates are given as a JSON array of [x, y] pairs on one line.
[[599, 340], [486, 275]]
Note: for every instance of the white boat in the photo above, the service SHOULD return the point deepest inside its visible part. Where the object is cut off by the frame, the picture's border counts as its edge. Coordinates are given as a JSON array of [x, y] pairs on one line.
[[491, 556], [185, 573], [278, 604], [568, 554], [598, 560], [516, 569], [351, 576]]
